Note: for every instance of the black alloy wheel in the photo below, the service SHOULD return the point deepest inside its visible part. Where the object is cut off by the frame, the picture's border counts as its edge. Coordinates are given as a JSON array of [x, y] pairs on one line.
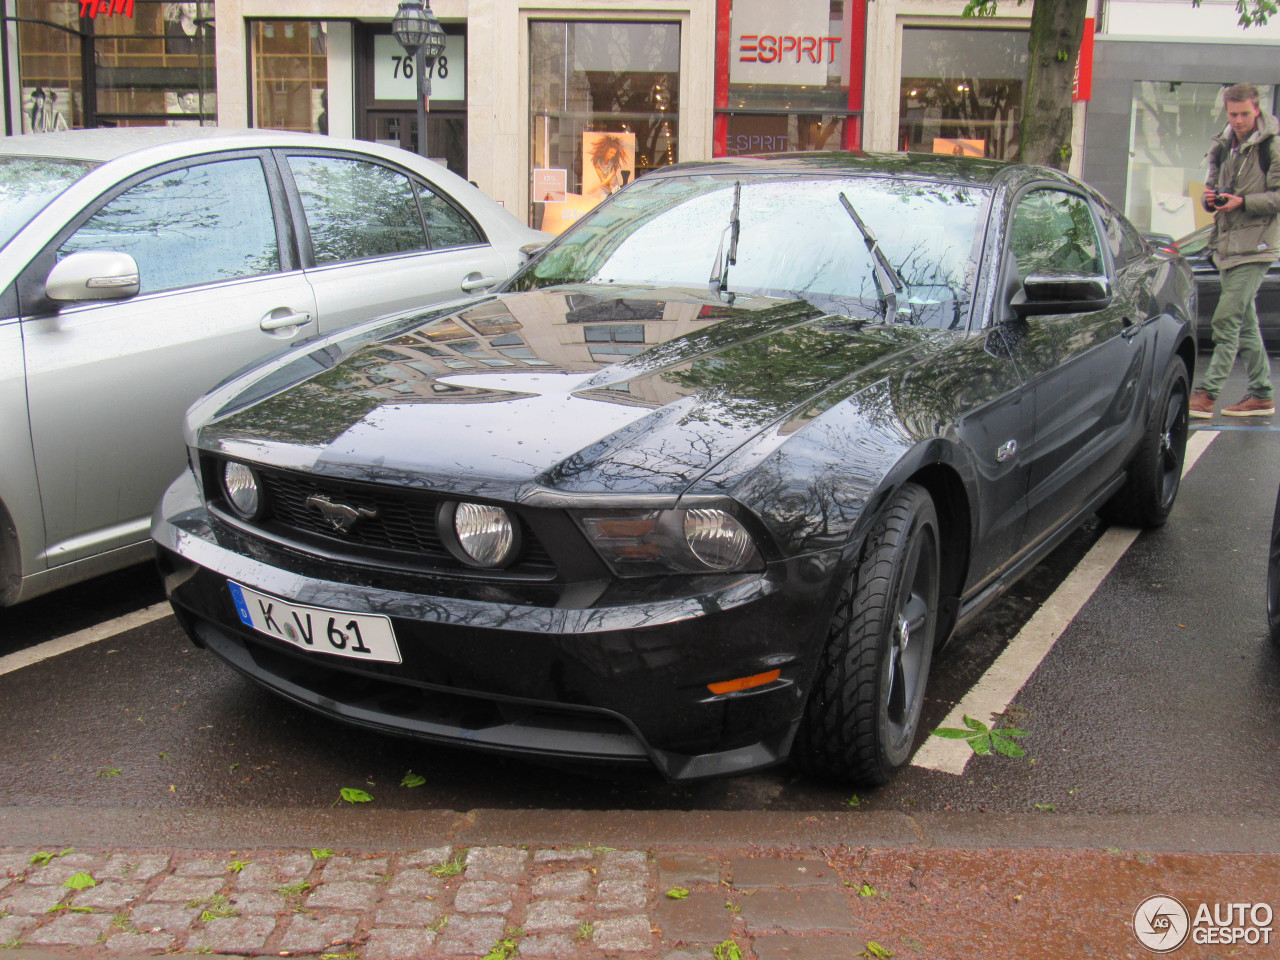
[[1155, 475], [863, 712]]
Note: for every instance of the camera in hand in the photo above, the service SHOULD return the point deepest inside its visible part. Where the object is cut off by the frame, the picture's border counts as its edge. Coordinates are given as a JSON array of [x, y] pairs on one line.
[[1220, 200]]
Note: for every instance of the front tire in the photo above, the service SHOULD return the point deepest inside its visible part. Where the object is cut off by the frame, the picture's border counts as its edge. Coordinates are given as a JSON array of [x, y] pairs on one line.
[[863, 711], [1156, 472]]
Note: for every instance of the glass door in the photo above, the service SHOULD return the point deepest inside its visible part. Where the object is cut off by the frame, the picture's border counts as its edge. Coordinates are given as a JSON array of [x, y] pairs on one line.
[[446, 134]]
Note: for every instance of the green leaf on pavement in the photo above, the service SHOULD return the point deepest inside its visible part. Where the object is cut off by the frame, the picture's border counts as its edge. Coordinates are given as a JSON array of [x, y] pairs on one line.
[[412, 779], [677, 893], [321, 853], [352, 795], [80, 881]]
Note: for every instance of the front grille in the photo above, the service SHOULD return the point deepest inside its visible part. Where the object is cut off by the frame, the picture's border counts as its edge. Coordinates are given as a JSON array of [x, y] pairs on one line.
[[400, 527]]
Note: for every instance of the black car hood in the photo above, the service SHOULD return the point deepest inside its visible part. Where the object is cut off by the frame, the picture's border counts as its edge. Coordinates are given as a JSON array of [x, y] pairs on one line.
[[576, 390]]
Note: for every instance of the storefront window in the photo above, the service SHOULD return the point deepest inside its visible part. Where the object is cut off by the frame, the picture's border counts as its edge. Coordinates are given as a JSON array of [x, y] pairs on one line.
[[787, 77], [290, 75], [1172, 124], [962, 91], [604, 103], [152, 68]]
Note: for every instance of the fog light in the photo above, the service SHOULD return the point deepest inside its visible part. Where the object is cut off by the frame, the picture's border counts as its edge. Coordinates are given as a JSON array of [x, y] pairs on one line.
[[241, 486], [486, 536]]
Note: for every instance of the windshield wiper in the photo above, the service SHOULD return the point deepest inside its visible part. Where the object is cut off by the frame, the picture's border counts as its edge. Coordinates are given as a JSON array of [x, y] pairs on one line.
[[888, 282], [719, 280]]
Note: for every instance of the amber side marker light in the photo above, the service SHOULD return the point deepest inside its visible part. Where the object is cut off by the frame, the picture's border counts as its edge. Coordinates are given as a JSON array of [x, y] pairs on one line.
[[744, 683]]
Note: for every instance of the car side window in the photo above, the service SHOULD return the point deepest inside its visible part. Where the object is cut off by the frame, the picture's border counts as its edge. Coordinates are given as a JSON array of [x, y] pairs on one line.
[[446, 224], [1125, 242], [1053, 232], [188, 226], [356, 209]]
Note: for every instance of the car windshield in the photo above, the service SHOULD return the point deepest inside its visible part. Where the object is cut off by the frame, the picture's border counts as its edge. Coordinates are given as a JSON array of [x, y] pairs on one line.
[[27, 184], [794, 238]]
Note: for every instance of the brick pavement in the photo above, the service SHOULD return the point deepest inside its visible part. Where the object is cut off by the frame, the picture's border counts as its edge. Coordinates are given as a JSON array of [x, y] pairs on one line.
[[962, 888], [445, 901]]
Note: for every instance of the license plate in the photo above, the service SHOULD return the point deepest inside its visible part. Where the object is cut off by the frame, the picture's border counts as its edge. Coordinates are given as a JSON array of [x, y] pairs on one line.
[[361, 636]]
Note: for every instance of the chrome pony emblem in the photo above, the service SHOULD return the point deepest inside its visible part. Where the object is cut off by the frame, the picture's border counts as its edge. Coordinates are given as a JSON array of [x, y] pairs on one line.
[[339, 516]]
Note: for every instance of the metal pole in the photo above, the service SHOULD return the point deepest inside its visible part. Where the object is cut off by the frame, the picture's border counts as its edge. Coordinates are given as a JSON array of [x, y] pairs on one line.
[[424, 86]]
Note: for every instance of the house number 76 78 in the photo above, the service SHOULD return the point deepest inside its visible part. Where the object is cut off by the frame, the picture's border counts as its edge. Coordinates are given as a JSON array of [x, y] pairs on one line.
[[404, 68]]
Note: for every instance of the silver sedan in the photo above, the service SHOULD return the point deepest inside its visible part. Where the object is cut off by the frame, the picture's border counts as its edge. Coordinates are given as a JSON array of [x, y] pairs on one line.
[[139, 267]]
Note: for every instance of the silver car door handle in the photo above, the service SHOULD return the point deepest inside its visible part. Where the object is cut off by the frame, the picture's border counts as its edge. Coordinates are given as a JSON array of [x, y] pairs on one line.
[[288, 320], [477, 283]]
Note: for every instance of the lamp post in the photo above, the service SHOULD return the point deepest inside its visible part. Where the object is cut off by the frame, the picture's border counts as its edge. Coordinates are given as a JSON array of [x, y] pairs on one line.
[[416, 29]]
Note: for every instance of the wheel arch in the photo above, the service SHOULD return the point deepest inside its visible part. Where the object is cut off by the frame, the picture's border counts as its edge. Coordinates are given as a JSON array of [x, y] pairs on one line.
[[1187, 351], [955, 522], [10, 559]]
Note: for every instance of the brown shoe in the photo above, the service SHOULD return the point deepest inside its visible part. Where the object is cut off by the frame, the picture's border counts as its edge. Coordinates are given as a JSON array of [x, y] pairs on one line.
[[1201, 405], [1251, 406]]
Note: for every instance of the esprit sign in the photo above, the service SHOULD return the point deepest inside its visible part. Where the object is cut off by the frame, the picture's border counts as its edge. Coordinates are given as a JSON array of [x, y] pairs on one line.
[[792, 43], [773, 49]]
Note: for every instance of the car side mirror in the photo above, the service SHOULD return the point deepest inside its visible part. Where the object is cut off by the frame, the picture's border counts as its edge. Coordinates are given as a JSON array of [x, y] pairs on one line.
[[92, 275], [1060, 293], [531, 250]]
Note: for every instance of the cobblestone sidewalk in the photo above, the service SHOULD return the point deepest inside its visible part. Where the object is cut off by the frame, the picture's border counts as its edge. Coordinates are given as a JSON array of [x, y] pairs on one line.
[[437, 902], [672, 902]]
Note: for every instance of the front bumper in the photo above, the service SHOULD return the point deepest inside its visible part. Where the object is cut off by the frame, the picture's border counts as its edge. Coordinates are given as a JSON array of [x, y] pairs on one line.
[[596, 672]]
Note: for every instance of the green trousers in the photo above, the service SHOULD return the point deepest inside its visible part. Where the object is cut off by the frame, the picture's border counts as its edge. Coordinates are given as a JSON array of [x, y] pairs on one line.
[[1235, 330]]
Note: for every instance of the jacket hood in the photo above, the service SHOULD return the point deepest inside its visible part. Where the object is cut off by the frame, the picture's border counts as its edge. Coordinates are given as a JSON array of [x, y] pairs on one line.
[[582, 390], [1268, 126]]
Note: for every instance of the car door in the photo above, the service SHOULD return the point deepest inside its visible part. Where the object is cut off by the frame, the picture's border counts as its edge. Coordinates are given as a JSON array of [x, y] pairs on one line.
[[108, 382], [1083, 369], [378, 241]]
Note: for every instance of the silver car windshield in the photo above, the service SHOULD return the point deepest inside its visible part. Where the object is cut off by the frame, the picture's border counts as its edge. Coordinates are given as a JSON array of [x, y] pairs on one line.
[[28, 184], [794, 239]]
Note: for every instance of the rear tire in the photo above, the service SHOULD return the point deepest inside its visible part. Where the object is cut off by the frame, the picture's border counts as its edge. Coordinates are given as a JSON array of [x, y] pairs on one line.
[[863, 711], [1156, 472]]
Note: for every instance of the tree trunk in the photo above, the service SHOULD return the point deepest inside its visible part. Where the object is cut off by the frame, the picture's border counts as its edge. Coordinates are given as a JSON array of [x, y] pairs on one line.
[[1056, 29]]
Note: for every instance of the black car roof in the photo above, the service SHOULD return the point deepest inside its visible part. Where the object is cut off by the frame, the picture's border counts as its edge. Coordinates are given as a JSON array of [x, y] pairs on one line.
[[928, 166]]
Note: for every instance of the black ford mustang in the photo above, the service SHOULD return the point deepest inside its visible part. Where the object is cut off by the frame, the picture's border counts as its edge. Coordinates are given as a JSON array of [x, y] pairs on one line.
[[710, 480]]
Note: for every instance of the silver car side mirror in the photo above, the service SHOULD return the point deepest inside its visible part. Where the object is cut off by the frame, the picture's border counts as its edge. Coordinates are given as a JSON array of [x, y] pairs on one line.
[[93, 275]]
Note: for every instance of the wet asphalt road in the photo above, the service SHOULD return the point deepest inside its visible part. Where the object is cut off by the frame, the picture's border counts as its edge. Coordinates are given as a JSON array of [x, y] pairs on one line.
[[1162, 696]]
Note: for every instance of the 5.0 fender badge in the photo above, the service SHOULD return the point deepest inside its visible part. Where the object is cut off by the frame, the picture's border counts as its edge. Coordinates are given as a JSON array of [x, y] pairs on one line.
[[1007, 450]]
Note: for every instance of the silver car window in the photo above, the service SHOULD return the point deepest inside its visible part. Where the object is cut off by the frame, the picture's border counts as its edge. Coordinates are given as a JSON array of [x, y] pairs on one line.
[[188, 226], [357, 209], [27, 184], [445, 223]]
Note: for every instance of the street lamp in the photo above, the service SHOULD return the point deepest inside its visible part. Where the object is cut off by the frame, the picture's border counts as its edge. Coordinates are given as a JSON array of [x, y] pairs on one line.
[[416, 29]]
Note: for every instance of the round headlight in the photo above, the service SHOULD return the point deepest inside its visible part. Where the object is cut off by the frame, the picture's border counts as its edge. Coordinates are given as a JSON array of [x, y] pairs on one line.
[[241, 486], [717, 539], [486, 535]]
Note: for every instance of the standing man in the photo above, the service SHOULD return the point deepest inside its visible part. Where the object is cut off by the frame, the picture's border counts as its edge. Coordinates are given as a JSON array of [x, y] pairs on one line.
[[1243, 193]]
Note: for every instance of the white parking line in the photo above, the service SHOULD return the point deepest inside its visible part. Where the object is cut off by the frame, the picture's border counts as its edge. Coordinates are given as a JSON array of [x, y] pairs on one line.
[[1013, 668], [81, 638]]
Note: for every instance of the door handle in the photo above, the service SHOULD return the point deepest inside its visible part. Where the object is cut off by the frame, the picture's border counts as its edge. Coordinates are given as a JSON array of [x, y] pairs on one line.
[[271, 322], [477, 282], [1130, 328]]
